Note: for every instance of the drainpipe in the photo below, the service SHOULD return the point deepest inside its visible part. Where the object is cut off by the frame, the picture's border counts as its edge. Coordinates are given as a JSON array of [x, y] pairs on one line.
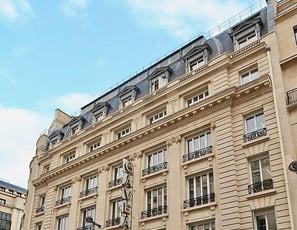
[[268, 50]]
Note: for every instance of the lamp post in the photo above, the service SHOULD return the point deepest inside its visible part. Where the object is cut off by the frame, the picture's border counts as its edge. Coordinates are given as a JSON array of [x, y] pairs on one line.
[[89, 219], [293, 166]]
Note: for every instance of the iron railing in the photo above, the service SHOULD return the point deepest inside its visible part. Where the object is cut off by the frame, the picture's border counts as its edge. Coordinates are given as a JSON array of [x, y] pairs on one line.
[[199, 200], [40, 209], [63, 200], [292, 96], [115, 182], [154, 212], [255, 134], [88, 227], [113, 222], [260, 186], [154, 169], [88, 192], [198, 153]]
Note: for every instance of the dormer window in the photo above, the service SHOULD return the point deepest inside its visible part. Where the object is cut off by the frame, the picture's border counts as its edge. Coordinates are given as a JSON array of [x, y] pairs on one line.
[[197, 57], [246, 33], [159, 78], [76, 124], [100, 111], [74, 129], [55, 137], [127, 96]]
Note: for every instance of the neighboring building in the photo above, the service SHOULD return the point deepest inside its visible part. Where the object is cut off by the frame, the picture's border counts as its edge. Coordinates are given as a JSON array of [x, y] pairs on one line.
[[210, 131], [12, 200]]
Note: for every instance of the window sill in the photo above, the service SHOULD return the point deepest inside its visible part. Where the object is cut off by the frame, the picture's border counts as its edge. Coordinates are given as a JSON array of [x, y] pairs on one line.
[[63, 205], [211, 205], [93, 195], [114, 188], [256, 141], [209, 156], [261, 194], [39, 213], [164, 172], [162, 216]]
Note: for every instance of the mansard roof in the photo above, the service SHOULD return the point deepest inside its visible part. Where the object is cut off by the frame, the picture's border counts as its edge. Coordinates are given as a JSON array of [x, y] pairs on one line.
[[99, 106], [76, 119], [159, 71], [246, 24]]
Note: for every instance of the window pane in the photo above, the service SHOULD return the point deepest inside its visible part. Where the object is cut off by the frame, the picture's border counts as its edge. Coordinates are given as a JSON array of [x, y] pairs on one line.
[[260, 121], [266, 173], [250, 124], [271, 221], [191, 188], [198, 187]]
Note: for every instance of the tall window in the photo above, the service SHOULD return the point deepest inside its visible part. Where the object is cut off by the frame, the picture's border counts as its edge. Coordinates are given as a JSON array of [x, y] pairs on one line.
[[156, 162], [265, 219], [5, 221], [38, 226], [200, 190], [156, 202], [117, 176], [199, 97], [41, 204], [158, 116], [260, 175], [115, 213], [62, 223], [90, 186], [208, 225], [295, 33], [65, 195], [124, 132], [249, 76], [88, 212], [255, 126], [155, 84]]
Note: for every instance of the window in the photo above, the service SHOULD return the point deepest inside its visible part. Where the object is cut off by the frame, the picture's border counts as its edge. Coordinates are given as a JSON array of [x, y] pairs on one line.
[[128, 95], [38, 226], [155, 84], [74, 129], [265, 219], [210, 225], [115, 213], [156, 202], [200, 190], [260, 175], [65, 195], [2, 201], [249, 76], [124, 132], [62, 223], [156, 161], [255, 126], [117, 176], [46, 168], [159, 78], [197, 57], [94, 146], [90, 186], [127, 101], [196, 63], [100, 111], [41, 204], [247, 39], [198, 146], [195, 99], [5, 221], [69, 157], [295, 33], [158, 116], [88, 212], [99, 116]]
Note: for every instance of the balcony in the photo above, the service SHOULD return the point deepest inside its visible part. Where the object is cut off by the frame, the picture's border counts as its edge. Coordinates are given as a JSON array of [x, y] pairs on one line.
[[40, 209], [199, 200], [113, 222], [260, 186], [115, 182], [292, 96], [254, 135], [63, 200], [198, 153], [88, 192], [88, 227], [154, 169], [154, 212]]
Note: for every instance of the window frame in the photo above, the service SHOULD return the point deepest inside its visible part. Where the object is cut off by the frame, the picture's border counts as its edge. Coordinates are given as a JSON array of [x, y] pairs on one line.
[[198, 225], [255, 123], [192, 99], [69, 157], [265, 212], [295, 33], [123, 132], [152, 193], [65, 191], [63, 222], [252, 73], [207, 135], [85, 213], [157, 116], [209, 185]]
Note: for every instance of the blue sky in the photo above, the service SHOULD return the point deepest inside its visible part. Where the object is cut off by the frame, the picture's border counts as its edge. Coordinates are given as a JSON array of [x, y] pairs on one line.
[[64, 53]]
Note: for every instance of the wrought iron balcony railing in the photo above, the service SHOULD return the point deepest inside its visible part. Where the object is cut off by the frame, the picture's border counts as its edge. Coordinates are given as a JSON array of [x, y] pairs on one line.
[[113, 222], [115, 182], [154, 212], [292, 96], [154, 169], [198, 153], [88, 227], [260, 186], [255, 134], [63, 200], [199, 200], [40, 209], [88, 192]]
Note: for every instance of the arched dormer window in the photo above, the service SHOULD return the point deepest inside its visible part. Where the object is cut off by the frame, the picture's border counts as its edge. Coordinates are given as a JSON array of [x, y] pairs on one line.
[[100, 111], [159, 78], [76, 124], [197, 57], [127, 96], [55, 137], [246, 33]]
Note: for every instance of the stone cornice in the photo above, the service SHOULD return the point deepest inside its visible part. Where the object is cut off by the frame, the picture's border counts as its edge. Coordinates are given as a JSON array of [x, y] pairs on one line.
[[208, 105], [286, 13]]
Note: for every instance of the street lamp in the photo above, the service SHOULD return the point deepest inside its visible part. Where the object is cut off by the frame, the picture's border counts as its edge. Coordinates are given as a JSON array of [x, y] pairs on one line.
[[89, 219], [293, 166]]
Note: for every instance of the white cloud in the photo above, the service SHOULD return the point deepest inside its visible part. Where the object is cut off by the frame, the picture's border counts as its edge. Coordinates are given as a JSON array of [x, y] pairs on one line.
[[19, 131], [185, 18], [14, 10], [71, 7]]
